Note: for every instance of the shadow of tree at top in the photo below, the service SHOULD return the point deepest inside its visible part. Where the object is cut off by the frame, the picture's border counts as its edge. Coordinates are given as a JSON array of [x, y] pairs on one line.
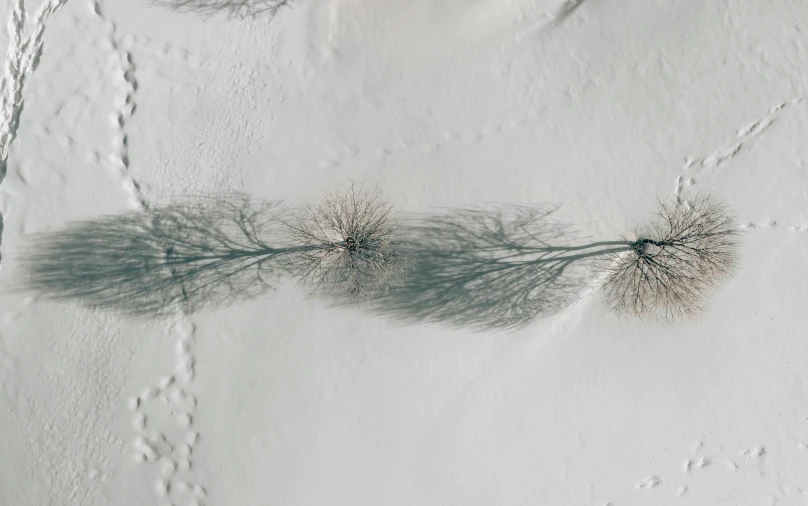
[[492, 268], [495, 268], [232, 8], [196, 253]]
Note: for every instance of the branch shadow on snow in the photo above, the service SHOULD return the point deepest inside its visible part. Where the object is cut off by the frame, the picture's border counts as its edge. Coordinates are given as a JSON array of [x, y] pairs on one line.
[[195, 253], [483, 268], [232, 8], [494, 268]]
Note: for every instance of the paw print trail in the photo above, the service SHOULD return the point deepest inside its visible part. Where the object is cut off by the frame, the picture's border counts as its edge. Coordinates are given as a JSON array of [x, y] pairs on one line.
[[709, 164], [170, 451], [125, 108]]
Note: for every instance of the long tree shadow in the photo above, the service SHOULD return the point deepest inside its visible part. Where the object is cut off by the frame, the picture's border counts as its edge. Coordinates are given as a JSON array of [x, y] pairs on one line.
[[495, 268], [195, 253], [232, 8], [491, 268]]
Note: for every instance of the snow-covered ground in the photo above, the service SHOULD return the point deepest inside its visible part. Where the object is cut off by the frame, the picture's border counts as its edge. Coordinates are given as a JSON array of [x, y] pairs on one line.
[[600, 106]]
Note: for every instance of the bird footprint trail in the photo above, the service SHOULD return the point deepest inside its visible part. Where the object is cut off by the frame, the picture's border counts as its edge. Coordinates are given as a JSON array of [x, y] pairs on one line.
[[22, 58]]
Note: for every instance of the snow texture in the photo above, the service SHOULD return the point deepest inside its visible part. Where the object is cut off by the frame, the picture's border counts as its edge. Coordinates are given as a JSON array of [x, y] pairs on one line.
[[114, 109]]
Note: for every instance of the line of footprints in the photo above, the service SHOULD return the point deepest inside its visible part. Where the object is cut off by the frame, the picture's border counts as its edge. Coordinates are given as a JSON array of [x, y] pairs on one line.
[[680, 199], [747, 463], [170, 455]]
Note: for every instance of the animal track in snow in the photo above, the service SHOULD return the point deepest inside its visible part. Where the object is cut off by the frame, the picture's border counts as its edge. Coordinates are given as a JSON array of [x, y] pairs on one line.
[[87, 153], [448, 138], [755, 451], [161, 50], [125, 107], [650, 482], [9, 371], [170, 451], [701, 463], [728, 151], [551, 18], [732, 148], [772, 224], [153, 49], [779, 474]]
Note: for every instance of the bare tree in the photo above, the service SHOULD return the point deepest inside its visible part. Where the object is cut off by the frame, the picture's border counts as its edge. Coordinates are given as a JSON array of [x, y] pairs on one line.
[[348, 245], [667, 273]]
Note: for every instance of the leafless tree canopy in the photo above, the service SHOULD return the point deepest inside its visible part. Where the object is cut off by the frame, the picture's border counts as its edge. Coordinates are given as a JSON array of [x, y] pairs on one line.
[[193, 253], [349, 246], [668, 273]]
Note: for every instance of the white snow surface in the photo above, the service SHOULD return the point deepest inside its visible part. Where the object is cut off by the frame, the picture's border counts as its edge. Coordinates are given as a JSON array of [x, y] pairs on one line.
[[600, 106]]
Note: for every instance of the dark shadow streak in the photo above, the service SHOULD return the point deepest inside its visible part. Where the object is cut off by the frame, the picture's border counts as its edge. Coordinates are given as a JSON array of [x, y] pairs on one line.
[[196, 253], [493, 268]]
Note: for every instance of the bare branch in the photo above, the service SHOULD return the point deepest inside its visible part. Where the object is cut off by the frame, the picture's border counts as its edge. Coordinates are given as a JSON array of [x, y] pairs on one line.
[[668, 273], [349, 246]]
